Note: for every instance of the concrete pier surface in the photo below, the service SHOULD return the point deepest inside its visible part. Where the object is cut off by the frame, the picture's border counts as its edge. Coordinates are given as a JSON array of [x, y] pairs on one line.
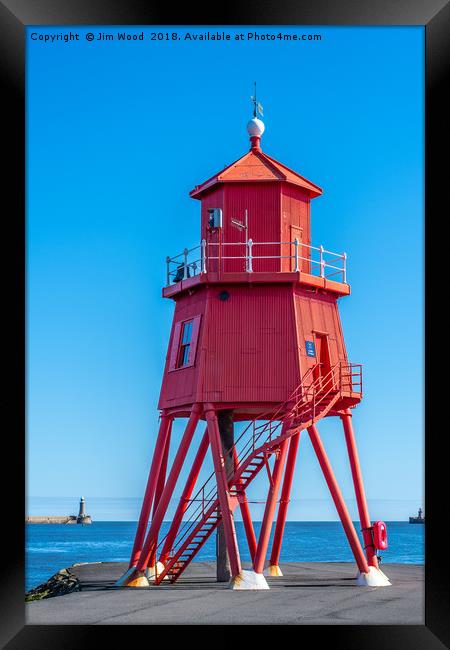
[[309, 593]]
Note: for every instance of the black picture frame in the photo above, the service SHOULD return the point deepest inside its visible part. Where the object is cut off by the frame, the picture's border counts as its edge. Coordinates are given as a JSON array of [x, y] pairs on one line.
[[15, 16]]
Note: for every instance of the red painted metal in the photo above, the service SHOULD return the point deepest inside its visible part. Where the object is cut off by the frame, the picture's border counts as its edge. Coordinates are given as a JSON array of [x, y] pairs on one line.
[[338, 499], [184, 499], [260, 362], [255, 142], [284, 500], [252, 337], [245, 512], [160, 485], [223, 490], [302, 408], [248, 524], [269, 511], [255, 166], [152, 535], [295, 224], [308, 282], [162, 471], [363, 510], [164, 429]]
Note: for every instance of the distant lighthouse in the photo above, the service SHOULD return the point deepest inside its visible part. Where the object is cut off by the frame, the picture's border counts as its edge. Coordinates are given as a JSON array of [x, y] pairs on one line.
[[82, 517]]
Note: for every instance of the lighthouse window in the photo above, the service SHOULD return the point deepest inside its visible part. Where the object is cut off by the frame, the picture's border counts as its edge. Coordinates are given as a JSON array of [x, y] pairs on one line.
[[185, 344]]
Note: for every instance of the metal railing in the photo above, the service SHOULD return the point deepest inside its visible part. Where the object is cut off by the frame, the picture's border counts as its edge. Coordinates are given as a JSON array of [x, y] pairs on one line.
[[212, 256]]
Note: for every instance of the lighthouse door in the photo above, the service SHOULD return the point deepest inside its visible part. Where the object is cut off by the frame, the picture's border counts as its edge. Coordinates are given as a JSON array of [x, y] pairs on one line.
[[323, 358], [297, 233], [214, 250]]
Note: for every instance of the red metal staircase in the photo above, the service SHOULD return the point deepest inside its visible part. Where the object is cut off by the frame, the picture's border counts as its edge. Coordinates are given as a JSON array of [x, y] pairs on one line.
[[310, 402]]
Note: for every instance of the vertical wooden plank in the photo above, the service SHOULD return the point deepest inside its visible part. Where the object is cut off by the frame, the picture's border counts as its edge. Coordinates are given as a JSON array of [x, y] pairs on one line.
[[175, 345], [194, 340]]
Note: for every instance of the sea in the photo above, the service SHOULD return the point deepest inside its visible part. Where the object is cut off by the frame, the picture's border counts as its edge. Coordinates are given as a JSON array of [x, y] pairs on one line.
[[51, 547]]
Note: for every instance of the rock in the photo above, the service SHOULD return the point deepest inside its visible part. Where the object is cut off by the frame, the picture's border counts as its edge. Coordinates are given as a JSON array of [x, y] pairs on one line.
[[63, 582]]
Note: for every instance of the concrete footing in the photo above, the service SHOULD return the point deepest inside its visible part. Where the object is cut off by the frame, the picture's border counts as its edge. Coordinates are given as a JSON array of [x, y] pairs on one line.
[[153, 570], [133, 578], [375, 578], [123, 578], [248, 580], [273, 571]]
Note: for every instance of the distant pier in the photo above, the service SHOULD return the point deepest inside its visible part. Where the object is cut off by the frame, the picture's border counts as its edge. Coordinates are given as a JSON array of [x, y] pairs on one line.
[[81, 518], [71, 519]]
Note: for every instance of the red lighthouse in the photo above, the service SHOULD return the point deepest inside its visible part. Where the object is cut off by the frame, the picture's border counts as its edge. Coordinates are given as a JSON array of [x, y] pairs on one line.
[[256, 339]]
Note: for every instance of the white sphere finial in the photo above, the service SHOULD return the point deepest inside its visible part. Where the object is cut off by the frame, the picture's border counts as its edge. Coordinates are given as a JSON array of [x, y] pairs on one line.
[[255, 127]]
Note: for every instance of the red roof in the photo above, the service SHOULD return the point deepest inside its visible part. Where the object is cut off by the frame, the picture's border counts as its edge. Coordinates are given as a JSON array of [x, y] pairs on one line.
[[256, 166]]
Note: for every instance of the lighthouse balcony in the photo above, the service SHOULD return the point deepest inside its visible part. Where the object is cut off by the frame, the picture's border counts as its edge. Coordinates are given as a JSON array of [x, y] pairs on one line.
[[255, 262]]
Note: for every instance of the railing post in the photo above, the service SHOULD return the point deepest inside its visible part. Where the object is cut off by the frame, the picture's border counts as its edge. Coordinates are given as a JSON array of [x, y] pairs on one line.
[[249, 256], [185, 253], [296, 269], [322, 263], [168, 270], [344, 256], [203, 256]]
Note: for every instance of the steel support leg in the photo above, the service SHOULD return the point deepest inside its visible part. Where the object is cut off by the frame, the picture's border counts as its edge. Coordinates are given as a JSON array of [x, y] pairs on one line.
[[166, 495], [226, 431], [164, 429], [186, 495], [248, 524], [284, 500], [246, 515], [338, 500], [162, 473], [269, 511], [222, 490], [363, 510], [160, 487]]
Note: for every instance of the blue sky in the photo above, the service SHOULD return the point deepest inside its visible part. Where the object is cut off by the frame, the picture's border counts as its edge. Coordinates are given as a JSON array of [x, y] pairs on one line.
[[117, 135]]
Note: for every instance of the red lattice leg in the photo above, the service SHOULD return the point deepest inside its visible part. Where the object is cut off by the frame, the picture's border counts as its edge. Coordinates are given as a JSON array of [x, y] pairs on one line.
[[269, 511], [360, 494], [283, 506], [163, 433], [338, 500]]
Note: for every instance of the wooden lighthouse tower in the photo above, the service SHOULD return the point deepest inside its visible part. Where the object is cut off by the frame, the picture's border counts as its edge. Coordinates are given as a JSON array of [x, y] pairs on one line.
[[257, 340]]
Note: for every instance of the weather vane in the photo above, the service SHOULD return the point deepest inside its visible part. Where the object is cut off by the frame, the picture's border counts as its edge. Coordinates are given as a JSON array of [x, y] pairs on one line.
[[257, 107]]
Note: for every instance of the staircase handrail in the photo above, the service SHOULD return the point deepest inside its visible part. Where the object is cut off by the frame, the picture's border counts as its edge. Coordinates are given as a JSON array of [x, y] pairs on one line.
[[200, 495]]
